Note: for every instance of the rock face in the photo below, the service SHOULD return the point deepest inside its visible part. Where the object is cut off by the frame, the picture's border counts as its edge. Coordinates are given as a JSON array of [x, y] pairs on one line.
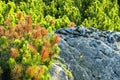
[[58, 72], [90, 54]]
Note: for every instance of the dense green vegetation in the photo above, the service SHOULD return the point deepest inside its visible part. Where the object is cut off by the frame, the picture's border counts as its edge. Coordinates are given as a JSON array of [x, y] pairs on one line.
[[51, 15], [102, 14]]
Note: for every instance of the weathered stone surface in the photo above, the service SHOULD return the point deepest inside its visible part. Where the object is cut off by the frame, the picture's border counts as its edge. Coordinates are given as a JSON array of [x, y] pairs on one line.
[[90, 54], [58, 72]]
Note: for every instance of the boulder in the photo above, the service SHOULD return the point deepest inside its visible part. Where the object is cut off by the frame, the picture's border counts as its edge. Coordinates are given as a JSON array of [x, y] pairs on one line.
[[89, 53], [58, 72]]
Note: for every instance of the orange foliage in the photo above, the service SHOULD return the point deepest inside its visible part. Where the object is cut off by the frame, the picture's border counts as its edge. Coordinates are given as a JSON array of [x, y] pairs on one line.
[[14, 52], [16, 35], [18, 68], [38, 33], [52, 21], [12, 29], [19, 15], [28, 19], [28, 25], [22, 29], [47, 43], [45, 53], [16, 72], [39, 72], [72, 24], [57, 38], [31, 71], [22, 23], [32, 48], [6, 33], [11, 32], [19, 28], [7, 22], [37, 26], [35, 42], [51, 52], [2, 30], [43, 31]]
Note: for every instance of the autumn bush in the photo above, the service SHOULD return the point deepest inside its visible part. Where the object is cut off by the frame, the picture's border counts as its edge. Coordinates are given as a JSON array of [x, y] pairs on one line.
[[26, 50]]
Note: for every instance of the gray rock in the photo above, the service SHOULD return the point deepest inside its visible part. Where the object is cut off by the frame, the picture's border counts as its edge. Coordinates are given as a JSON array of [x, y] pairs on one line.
[[58, 72], [90, 54]]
